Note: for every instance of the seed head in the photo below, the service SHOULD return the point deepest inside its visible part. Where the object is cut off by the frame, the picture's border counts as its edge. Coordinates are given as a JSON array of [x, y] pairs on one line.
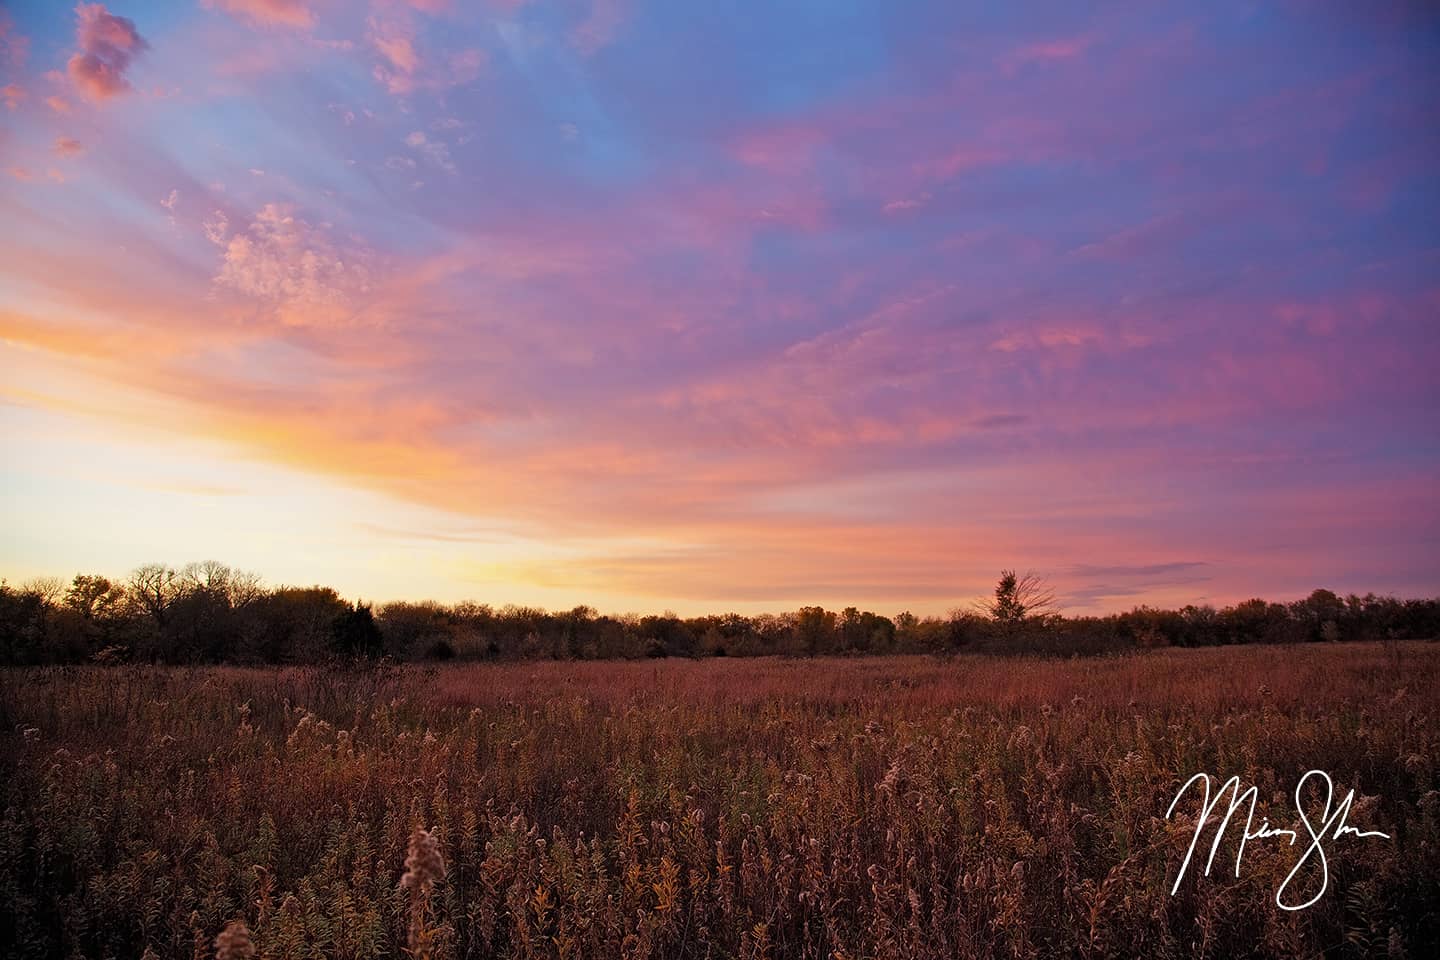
[[423, 864], [234, 942]]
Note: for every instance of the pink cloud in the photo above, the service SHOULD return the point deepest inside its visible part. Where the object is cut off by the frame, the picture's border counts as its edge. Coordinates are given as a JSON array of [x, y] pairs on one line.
[[959, 160], [740, 396], [58, 104], [69, 147], [395, 42], [400, 51], [465, 66], [604, 20], [434, 150], [404, 69], [1049, 338], [908, 203], [26, 175], [788, 148], [293, 267], [107, 46], [1048, 51], [12, 95], [1134, 240], [286, 13], [14, 47]]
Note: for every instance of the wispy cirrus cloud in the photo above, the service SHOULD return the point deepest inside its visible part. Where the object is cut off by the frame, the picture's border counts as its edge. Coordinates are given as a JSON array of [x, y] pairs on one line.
[[871, 324], [1142, 570]]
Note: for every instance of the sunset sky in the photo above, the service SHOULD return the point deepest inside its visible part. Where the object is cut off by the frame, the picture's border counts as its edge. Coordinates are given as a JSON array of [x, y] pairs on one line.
[[724, 306]]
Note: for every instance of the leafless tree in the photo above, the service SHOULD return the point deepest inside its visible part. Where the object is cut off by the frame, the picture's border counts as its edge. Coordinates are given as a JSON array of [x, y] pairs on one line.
[[154, 588], [48, 589]]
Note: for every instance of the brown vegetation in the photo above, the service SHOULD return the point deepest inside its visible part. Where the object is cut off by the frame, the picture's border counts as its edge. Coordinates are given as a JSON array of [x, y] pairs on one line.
[[880, 807]]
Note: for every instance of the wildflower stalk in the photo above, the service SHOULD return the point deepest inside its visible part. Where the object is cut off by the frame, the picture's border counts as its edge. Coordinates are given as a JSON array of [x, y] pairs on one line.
[[424, 867], [234, 942]]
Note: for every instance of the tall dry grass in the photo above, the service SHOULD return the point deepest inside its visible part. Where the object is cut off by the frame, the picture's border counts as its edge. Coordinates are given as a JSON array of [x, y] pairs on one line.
[[900, 807]]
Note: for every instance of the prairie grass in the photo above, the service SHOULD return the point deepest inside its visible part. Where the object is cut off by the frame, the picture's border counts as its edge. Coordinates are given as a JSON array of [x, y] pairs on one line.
[[882, 807]]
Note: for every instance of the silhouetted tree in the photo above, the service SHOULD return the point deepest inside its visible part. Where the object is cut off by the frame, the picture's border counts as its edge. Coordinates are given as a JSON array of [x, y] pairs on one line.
[[93, 597], [814, 631], [1322, 614], [413, 628], [210, 612], [23, 637], [1019, 597], [355, 634], [154, 588], [666, 636]]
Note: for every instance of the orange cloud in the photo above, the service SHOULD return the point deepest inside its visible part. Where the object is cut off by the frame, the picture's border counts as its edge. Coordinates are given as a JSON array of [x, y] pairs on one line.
[[285, 13], [68, 147], [650, 501], [107, 44], [12, 95]]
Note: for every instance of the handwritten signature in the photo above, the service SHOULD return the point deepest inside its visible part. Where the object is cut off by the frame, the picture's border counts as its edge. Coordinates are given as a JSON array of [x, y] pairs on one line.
[[1331, 826]]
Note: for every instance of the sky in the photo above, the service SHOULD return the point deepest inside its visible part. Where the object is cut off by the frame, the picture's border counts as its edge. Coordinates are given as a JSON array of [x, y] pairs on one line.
[[724, 306]]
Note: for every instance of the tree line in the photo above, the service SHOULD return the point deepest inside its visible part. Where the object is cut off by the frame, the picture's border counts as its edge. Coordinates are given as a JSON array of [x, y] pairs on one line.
[[211, 613]]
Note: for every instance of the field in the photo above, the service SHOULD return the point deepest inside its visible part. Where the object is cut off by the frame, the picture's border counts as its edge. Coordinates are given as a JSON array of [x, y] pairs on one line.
[[887, 807]]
